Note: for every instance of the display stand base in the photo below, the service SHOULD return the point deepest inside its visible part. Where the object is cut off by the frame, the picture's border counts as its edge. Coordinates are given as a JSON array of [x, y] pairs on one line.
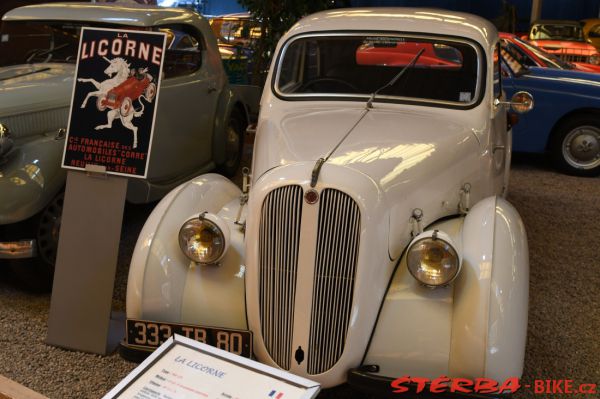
[[86, 262]]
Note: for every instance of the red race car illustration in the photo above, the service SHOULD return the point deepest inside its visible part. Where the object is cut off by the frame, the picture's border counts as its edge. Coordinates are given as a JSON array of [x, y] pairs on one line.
[[122, 96]]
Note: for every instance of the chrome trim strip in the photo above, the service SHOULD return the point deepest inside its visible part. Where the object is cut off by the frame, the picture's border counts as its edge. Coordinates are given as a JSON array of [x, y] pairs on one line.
[[18, 249]]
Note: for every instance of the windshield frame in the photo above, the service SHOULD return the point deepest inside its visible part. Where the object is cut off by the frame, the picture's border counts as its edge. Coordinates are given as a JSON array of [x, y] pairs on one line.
[[479, 86]]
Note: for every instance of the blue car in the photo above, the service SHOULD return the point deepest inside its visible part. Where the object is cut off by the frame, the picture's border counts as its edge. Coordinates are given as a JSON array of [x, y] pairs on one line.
[[565, 121]]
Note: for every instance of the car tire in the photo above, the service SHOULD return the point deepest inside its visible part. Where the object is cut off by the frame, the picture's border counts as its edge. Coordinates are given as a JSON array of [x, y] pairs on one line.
[[36, 274], [234, 142], [101, 103], [126, 106], [575, 145], [150, 92]]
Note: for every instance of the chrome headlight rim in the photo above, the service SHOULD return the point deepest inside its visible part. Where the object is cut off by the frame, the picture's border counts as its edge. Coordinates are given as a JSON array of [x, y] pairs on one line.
[[435, 236], [204, 220]]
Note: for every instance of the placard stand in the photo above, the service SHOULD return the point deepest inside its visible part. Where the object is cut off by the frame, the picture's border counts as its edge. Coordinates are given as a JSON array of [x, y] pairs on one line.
[[86, 262]]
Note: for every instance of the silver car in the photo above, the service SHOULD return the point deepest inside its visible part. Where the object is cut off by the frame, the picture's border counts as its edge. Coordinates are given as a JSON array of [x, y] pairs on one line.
[[200, 120]]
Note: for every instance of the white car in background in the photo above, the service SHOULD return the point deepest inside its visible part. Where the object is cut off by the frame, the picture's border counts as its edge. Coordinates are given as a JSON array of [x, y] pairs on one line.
[[372, 239]]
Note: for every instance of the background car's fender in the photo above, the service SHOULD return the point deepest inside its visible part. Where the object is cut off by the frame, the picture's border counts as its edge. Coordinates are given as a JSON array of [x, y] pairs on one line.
[[30, 178], [558, 95], [165, 285], [476, 327], [233, 98]]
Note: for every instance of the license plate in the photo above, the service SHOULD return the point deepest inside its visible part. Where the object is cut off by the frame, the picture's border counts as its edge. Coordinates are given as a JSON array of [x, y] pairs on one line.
[[150, 335]]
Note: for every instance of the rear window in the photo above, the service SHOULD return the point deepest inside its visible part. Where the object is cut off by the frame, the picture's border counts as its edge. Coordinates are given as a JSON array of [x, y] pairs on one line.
[[446, 71]]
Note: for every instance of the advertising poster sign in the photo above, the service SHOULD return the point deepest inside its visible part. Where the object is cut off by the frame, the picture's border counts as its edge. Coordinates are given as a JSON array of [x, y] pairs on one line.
[[184, 369], [114, 101]]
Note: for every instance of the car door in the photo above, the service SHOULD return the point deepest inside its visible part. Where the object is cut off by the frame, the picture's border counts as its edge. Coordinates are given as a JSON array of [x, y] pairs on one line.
[[187, 104]]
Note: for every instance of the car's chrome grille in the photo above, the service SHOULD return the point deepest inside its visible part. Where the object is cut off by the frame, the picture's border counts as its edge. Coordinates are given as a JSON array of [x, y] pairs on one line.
[[335, 269], [278, 260], [36, 122], [575, 58]]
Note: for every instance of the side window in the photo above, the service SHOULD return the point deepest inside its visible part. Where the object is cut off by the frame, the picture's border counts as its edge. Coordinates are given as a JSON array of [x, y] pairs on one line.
[[184, 51], [497, 73], [594, 32]]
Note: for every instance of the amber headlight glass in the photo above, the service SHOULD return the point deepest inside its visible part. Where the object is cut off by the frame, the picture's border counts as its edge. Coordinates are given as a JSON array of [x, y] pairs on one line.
[[204, 239], [432, 259]]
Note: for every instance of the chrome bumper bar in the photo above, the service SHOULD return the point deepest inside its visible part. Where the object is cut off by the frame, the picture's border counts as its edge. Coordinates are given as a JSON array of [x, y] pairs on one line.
[[18, 249]]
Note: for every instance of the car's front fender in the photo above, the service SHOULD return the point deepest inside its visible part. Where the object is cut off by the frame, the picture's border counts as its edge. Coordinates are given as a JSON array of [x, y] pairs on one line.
[[475, 327], [165, 285], [30, 178]]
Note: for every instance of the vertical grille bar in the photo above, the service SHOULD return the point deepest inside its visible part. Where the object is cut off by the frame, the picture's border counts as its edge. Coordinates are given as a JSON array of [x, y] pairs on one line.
[[338, 239], [278, 265]]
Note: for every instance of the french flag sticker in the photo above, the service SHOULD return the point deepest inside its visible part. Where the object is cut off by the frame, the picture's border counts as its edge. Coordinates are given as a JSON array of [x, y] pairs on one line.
[[276, 395]]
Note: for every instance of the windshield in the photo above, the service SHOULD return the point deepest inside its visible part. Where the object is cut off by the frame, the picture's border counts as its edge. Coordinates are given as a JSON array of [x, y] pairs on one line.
[[38, 41], [519, 49], [350, 65], [235, 31], [556, 32]]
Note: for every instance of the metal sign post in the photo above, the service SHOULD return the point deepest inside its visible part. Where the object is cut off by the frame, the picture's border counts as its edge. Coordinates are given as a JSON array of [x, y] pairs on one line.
[[86, 263], [109, 137]]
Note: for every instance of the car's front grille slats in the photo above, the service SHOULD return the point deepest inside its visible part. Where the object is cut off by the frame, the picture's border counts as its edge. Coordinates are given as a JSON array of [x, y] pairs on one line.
[[335, 269], [278, 254]]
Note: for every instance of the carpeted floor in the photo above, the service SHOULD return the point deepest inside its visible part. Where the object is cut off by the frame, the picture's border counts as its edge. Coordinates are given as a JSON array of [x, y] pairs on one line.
[[562, 217]]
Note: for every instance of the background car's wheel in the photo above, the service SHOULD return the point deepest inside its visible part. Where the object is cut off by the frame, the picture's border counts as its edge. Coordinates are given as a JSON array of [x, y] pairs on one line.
[[575, 145], [233, 144], [126, 106], [150, 92], [101, 103], [37, 273]]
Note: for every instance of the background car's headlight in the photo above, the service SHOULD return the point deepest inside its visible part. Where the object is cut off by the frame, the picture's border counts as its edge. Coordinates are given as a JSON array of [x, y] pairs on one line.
[[204, 239], [432, 259]]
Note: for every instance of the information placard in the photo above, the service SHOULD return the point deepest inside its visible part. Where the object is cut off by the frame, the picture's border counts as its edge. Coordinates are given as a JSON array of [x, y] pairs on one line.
[[184, 369], [113, 107]]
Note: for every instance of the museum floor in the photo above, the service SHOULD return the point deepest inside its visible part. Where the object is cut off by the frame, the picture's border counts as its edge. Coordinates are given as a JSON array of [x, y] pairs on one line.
[[562, 217]]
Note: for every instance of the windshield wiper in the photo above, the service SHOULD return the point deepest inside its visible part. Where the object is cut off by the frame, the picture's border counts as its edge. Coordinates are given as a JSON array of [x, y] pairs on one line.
[[395, 78], [45, 52], [321, 161]]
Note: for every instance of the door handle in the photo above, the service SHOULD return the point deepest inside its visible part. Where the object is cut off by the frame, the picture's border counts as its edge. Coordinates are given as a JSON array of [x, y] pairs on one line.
[[212, 87], [498, 148]]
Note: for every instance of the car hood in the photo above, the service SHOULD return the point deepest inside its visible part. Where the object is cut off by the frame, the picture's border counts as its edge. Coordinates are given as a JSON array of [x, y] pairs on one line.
[[585, 67], [564, 44], [35, 87], [387, 144]]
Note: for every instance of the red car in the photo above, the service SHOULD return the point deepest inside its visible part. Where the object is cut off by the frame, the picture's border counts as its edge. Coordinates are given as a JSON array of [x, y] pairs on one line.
[[122, 96], [401, 53], [563, 39], [531, 55]]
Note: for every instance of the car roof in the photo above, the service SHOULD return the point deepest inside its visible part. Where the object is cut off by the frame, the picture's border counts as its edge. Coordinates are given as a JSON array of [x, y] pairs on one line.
[[111, 13], [400, 19]]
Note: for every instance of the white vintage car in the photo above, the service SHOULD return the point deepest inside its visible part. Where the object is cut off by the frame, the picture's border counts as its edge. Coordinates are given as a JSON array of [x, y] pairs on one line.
[[372, 239]]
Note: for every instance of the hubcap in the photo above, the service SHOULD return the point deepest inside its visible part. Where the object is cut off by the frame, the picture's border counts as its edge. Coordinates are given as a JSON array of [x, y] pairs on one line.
[[581, 147], [49, 229]]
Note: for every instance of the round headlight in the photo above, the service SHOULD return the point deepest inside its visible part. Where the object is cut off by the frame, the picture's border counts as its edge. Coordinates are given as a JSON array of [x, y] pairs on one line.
[[203, 239], [432, 259]]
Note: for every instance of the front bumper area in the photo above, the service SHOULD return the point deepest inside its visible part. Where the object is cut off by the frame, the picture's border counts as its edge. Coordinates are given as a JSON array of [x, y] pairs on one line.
[[380, 387], [21, 249], [135, 355]]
